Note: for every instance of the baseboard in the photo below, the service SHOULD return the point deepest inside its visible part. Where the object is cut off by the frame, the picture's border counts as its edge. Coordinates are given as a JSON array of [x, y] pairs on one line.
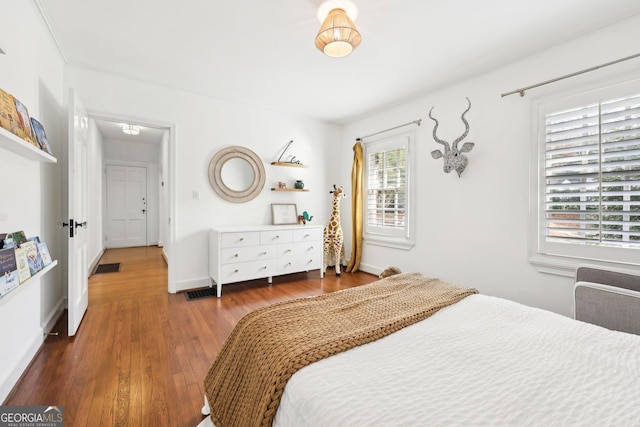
[[185, 285], [16, 372], [165, 256], [32, 350], [371, 269], [54, 316], [94, 263]]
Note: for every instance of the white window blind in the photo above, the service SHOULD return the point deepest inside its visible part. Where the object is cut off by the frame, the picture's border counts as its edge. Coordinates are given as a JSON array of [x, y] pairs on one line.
[[387, 212], [387, 188], [592, 174]]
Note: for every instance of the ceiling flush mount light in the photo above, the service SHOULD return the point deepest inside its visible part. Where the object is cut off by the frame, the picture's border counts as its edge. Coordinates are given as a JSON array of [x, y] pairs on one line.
[[131, 129], [338, 35]]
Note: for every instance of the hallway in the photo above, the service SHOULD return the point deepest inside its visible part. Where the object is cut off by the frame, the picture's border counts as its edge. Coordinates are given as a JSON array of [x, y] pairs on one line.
[[143, 273]]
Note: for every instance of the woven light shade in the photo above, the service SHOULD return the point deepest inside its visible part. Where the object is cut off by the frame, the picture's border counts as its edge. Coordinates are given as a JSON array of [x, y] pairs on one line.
[[337, 36]]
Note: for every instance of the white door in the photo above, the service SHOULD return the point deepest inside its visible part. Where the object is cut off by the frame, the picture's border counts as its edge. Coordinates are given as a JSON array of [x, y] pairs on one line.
[[78, 292], [126, 206]]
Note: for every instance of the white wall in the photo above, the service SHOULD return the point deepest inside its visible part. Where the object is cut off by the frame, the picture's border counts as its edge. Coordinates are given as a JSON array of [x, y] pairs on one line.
[[473, 230], [202, 127], [30, 191]]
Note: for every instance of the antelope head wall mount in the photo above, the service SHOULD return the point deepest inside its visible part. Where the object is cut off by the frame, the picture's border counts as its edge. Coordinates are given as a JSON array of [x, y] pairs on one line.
[[453, 157]]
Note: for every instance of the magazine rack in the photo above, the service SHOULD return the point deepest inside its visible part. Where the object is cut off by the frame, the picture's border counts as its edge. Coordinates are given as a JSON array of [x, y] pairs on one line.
[[17, 145]]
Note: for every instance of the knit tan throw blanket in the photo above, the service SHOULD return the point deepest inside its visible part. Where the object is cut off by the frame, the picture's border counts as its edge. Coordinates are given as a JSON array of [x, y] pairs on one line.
[[268, 345]]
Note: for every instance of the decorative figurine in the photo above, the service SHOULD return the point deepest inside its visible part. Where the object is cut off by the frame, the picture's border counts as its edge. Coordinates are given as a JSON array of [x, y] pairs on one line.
[[333, 239], [453, 157]]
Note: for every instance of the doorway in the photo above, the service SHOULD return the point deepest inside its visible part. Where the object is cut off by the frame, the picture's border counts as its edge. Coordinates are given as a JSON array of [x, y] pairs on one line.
[[132, 184]]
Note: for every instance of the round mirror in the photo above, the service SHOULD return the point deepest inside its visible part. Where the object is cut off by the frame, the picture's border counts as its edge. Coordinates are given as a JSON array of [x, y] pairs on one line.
[[236, 174]]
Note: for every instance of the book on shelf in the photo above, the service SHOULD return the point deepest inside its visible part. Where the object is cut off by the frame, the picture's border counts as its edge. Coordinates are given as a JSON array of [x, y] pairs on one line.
[[9, 113], [41, 136], [25, 123], [8, 271], [19, 237], [43, 250], [33, 258], [23, 264]]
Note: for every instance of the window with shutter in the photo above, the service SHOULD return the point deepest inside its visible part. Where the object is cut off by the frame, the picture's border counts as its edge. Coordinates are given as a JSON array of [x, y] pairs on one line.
[[592, 173], [387, 184], [589, 183]]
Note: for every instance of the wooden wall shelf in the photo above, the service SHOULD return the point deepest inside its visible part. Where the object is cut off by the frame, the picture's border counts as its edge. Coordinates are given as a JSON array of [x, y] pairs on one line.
[[19, 146], [289, 189], [295, 165]]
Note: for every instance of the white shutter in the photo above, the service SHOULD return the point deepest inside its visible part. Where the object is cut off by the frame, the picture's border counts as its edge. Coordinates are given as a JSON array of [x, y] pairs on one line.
[[387, 187], [592, 173]]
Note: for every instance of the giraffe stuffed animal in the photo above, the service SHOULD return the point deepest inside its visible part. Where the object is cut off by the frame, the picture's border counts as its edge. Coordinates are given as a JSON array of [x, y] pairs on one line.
[[333, 240]]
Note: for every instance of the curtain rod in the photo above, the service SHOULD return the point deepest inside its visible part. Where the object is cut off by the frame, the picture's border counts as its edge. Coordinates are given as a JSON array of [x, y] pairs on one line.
[[417, 122], [521, 91]]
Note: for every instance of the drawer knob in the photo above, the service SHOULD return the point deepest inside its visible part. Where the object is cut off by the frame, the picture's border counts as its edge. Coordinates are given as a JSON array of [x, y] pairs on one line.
[[287, 251], [288, 263], [263, 253], [236, 271], [236, 255], [264, 268], [307, 235], [310, 247], [277, 237], [241, 239]]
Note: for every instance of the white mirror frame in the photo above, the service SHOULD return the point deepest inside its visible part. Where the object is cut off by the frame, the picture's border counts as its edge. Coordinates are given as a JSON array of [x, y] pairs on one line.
[[215, 174]]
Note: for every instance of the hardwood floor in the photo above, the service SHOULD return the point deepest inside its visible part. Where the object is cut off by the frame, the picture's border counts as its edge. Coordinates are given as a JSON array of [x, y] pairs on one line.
[[141, 354]]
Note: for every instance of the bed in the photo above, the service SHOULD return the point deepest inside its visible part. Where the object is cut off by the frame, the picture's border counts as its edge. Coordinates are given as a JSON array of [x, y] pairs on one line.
[[478, 360]]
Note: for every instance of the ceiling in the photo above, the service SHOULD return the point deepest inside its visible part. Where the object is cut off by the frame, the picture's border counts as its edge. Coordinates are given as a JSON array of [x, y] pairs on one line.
[[262, 53], [111, 130]]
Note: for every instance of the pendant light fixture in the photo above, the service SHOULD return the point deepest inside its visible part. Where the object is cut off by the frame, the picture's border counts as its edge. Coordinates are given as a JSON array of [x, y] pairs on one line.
[[338, 35]]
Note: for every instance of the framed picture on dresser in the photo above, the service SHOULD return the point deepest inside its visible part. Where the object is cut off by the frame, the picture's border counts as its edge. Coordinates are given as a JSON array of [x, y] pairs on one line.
[[284, 213]]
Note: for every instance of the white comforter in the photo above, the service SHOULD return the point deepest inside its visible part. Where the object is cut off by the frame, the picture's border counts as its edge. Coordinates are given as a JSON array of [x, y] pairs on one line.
[[481, 362]]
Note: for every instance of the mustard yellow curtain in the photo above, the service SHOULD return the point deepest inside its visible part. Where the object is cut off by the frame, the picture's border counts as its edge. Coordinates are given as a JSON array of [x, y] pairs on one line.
[[356, 209]]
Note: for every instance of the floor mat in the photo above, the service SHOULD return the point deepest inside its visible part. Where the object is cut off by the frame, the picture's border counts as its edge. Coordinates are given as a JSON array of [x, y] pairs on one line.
[[200, 293], [108, 268]]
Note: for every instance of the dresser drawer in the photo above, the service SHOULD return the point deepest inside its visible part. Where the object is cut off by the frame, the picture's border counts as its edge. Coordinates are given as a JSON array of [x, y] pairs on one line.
[[297, 249], [250, 253], [307, 235], [246, 270], [300, 263], [269, 237], [239, 239]]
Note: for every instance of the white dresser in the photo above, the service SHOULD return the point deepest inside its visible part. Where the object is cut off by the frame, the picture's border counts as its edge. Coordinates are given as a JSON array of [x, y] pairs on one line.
[[252, 252]]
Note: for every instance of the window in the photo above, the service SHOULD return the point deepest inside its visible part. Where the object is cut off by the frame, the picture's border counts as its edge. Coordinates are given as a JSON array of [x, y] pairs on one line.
[[387, 166], [589, 190]]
